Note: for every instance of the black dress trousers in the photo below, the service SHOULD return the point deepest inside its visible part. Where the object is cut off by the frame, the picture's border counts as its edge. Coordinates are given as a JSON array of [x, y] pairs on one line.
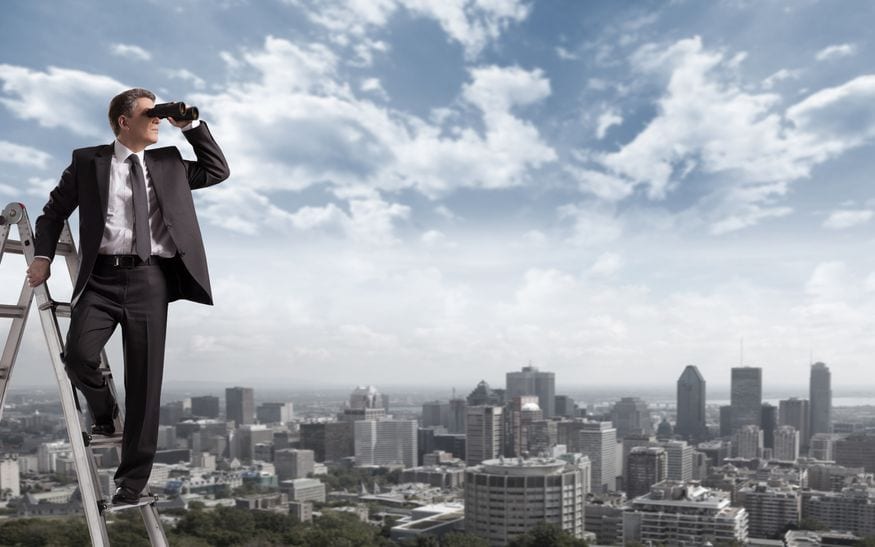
[[134, 297]]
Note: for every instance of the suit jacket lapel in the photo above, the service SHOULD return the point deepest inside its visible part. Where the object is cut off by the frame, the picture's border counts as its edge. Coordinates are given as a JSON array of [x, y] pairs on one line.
[[101, 164], [154, 168]]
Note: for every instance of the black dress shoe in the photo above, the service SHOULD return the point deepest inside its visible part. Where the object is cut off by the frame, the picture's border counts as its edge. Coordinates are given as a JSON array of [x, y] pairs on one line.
[[106, 428], [125, 496]]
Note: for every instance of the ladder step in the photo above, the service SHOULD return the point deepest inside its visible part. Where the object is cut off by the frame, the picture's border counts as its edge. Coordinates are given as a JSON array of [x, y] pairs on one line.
[[144, 500], [62, 309], [14, 246], [104, 441], [11, 312]]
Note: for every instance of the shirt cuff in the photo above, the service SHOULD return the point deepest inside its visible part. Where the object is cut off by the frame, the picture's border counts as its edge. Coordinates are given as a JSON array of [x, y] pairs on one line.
[[191, 125], [41, 256]]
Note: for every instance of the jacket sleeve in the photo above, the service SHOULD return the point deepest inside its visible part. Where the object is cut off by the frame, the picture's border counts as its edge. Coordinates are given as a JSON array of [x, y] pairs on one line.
[[211, 167], [63, 200]]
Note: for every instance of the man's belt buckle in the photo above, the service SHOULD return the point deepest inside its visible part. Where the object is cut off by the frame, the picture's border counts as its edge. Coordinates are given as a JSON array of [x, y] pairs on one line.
[[124, 261]]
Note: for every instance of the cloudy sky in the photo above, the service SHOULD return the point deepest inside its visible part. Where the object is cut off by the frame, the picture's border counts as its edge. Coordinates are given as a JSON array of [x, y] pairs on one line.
[[439, 191]]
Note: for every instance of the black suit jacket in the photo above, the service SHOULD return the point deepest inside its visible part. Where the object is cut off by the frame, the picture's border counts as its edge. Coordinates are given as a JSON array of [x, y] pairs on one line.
[[85, 184]]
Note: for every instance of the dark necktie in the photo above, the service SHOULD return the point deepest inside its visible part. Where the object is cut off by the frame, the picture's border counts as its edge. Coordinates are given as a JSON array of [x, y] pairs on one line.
[[142, 239]]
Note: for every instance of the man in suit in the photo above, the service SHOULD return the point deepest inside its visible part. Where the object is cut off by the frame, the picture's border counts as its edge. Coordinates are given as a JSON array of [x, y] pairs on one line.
[[140, 248]]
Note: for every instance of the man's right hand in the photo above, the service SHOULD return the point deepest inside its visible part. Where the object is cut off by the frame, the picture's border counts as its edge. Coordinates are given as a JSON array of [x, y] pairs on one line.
[[38, 272]]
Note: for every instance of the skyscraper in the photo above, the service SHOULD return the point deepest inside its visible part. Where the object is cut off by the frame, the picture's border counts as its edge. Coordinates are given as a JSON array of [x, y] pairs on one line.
[[598, 440], [647, 466], [240, 405], [631, 416], [746, 397], [796, 412], [483, 433], [786, 444], [769, 422], [820, 400], [385, 442], [691, 405], [205, 407], [531, 381]]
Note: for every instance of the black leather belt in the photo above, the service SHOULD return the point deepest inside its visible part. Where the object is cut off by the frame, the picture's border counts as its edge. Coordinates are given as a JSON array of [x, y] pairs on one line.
[[127, 261]]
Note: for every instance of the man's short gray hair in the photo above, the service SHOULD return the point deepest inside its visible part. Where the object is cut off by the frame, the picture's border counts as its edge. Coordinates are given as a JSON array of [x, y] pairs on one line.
[[123, 105]]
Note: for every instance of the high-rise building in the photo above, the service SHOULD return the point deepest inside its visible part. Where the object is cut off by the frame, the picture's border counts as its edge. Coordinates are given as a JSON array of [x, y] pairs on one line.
[[240, 405], [506, 498], [598, 441], [386, 442], [647, 466], [821, 446], [748, 442], [726, 421], [770, 509], [275, 413], [458, 410], [820, 400], [795, 412], [523, 411], [769, 423], [484, 433], [856, 450], [531, 381], [679, 456], [205, 407], [435, 413], [631, 416], [746, 396], [691, 405], [676, 513], [852, 509], [329, 441], [565, 406], [9, 476], [786, 444], [365, 403], [483, 395], [291, 463]]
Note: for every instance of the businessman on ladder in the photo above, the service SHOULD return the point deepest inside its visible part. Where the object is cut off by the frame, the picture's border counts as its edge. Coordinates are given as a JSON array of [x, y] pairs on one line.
[[140, 248]]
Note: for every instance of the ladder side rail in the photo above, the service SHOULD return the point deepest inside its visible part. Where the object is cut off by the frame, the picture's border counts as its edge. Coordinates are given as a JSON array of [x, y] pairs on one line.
[[85, 468]]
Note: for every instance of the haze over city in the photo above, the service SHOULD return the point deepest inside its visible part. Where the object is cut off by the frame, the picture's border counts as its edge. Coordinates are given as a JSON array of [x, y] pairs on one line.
[[436, 195]]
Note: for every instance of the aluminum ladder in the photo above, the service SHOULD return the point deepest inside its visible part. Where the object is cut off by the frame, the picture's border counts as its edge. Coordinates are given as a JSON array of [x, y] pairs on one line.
[[95, 503]]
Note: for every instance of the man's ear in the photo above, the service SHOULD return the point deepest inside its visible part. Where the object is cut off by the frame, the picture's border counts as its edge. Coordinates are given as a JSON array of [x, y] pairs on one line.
[[123, 122]]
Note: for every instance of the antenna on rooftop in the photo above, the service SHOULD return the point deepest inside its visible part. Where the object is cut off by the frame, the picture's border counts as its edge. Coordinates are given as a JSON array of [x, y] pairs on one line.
[[741, 354]]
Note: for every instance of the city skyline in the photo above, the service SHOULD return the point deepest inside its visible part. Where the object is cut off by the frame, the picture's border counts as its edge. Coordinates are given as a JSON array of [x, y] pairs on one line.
[[460, 188]]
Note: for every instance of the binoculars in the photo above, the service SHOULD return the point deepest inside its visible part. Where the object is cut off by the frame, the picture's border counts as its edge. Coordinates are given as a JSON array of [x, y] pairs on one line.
[[177, 111]]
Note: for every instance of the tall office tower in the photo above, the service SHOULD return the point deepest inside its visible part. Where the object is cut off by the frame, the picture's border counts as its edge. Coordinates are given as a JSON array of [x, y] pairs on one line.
[[329, 441], [365, 403], [679, 455], [240, 405], [768, 423], [770, 509], [291, 463], [205, 407], [598, 440], [483, 395], [675, 513], [458, 411], [795, 412], [564, 406], [522, 412], [700, 465], [434, 413], [748, 442], [543, 436], [484, 433], [9, 476], [725, 421], [247, 437], [647, 466], [821, 446], [691, 405], [786, 444], [384, 400], [386, 442], [746, 397], [275, 413], [820, 400], [568, 433], [506, 498], [628, 443], [856, 450], [531, 381], [631, 416]]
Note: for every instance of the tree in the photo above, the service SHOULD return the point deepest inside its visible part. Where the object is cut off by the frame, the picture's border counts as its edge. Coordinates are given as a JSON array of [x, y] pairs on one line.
[[547, 535]]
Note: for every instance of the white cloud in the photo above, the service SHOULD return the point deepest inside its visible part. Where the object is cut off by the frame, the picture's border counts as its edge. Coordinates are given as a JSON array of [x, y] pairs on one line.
[[836, 51], [23, 155], [373, 85], [607, 119], [130, 51], [565, 55], [188, 76], [472, 23], [606, 265], [591, 225], [602, 185], [780, 76], [847, 218], [836, 119], [71, 99]]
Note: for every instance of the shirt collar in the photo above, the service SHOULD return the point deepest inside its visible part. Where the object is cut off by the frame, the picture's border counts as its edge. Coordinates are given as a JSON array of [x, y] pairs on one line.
[[121, 152]]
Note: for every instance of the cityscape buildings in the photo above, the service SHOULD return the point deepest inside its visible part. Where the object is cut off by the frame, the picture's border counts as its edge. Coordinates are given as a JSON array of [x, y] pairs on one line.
[[820, 399], [484, 433], [796, 413], [647, 466], [691, 397], [746, 397], [630, 415], [531, 381], [240, 405], [598, 441]]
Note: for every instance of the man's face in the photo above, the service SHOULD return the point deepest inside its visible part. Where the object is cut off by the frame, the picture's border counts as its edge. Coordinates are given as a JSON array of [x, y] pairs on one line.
[[140, 127]]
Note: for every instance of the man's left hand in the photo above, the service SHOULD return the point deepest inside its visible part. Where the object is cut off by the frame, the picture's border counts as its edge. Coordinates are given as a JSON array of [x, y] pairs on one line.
[[180, 124]]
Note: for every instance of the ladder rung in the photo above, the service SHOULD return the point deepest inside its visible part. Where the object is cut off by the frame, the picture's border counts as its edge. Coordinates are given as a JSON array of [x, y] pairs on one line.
[[12, 312], [103, 441], [14, 246], [144, 500], [62, 309]]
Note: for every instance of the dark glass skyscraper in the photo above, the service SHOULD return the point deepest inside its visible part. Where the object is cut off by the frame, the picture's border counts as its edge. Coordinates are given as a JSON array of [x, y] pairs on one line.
[[820, 399], [691, 405], [746, 397], [240, 405], [531, 381]]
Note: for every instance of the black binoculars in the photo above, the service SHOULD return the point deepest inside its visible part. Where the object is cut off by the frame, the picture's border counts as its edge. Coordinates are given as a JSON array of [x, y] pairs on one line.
[[177, 111]]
